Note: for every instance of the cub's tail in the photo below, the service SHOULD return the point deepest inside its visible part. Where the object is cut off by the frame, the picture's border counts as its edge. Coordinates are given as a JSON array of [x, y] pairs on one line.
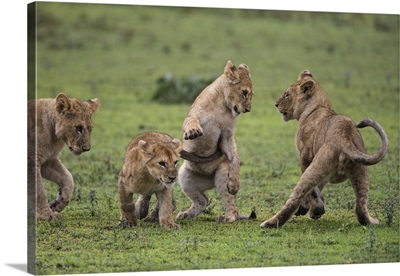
[[253, 215], [366, 159], [192, 157]]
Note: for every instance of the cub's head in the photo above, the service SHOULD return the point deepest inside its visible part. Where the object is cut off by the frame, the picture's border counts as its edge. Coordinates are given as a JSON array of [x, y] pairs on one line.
[[161, 160], [297, 97], [239, 89], [74, 123]]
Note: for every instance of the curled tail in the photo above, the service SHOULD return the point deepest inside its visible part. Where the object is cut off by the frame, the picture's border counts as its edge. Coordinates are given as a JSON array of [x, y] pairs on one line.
[[192, 157], [366, 159]]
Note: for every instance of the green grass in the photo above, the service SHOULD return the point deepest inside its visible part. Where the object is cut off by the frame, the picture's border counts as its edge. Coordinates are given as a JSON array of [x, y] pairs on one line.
[[117, 53]]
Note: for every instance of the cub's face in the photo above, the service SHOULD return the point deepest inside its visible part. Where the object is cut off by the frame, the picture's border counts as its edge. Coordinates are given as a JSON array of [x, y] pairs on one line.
[[74, 123], [239, 92], [296, 98], [162, 160], [286, 103]]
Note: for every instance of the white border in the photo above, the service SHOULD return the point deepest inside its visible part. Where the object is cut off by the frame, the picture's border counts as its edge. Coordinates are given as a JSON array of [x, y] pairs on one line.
[[13, 107]]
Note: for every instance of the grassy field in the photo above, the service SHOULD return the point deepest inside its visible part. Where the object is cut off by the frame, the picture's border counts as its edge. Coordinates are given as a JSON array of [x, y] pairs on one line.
[[117, 53]]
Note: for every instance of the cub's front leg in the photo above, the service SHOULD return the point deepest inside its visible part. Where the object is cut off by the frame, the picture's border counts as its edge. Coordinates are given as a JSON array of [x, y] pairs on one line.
[[56, 172], [192, 128], [166, 218], [126, 205]]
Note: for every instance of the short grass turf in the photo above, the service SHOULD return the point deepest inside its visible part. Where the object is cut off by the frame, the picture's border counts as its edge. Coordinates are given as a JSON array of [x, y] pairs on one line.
[[118, 52]]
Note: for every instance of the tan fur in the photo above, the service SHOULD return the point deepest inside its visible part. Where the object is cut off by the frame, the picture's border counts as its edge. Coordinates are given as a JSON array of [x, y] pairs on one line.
[[331, 150], [51, 124], [151, 166], [209, 128]]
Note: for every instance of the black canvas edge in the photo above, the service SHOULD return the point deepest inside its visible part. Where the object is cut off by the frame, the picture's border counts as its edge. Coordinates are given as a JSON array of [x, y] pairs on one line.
[[31, 89]]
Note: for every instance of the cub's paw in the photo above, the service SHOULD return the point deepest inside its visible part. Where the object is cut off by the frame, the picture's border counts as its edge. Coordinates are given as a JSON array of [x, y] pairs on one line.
[[226, 218], [151, 219], [271, 223], [183, 215], [50, 215], [373, 220], [317, 212], [303, 209], [57, 205], [170, 226], [193, 133], [233, 186], [124, 223]]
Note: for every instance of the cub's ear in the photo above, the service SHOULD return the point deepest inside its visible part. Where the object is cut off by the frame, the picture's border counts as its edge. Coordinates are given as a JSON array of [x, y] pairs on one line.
[[146, 148], [231, 72], [245, 68], [176, 143], [62, 103], [307, 86], [304, 74], [93, 104]]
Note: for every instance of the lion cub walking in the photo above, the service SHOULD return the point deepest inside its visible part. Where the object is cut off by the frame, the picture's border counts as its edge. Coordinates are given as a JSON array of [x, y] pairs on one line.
[[52, 123], [331, 150], [208, 129], [151, 166]]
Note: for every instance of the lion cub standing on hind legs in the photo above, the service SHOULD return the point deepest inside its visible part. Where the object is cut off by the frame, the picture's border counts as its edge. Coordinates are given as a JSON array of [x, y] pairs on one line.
[[209, 129], [52, 123], [331, 150]]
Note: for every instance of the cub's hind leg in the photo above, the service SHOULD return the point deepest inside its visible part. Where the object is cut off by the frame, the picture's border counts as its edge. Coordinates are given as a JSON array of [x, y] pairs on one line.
[[37, 194], [318, 172], [154, 215], [221, 183], [142, 206], [193, 186], [359, 180]]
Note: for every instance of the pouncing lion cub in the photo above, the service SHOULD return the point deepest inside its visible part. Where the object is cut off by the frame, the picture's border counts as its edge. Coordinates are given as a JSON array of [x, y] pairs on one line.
[[208, 129], [52, 123], [331, 150], [151, 166]]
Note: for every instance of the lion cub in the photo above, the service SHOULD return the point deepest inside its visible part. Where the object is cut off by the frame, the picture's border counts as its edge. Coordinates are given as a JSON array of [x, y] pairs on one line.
[[331, 150], [151, 166], [209, 129], [52, 123]]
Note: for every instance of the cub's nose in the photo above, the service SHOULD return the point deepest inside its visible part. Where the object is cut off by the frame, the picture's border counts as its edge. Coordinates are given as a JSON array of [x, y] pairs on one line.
[[86, 148], [172, 178], [276, 104]]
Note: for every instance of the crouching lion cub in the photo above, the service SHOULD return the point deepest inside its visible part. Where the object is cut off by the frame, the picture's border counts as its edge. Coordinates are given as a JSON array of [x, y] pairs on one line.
[[151, 166], [52, 123], [208, 129], [331, 150]]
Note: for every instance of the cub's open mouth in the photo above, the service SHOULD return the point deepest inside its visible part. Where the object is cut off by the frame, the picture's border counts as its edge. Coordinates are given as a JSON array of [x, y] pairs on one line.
[[283, 112]]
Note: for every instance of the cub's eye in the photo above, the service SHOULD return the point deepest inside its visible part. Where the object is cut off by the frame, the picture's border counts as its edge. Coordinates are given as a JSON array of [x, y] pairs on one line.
[[162, 164], [176, 163], [79, 129], [286, 95], [245, 93]]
